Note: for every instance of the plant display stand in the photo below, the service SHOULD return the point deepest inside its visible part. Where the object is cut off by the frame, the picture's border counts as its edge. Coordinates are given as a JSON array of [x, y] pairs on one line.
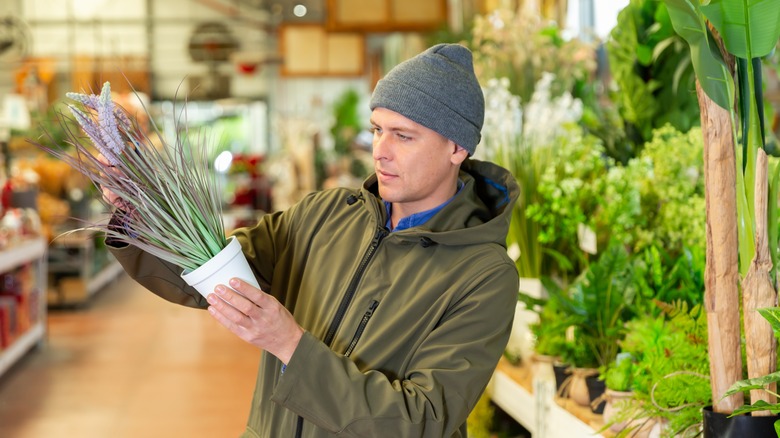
[[23, 322], [79, 267], [530, 399]]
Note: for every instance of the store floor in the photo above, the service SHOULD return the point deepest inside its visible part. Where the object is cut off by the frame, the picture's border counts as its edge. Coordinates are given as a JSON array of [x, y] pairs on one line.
[[129, 364]]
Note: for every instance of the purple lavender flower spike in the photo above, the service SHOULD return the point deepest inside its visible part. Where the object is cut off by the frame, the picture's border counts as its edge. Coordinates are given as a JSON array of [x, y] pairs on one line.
[[93, 132], [109, 131], [88, 100]]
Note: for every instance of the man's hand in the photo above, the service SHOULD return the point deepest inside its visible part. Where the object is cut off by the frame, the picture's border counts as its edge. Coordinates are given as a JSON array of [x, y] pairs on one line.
[[109, 196], [256, 317]]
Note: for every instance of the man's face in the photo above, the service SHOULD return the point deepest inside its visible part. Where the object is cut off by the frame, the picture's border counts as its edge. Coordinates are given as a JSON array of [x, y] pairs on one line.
[[416, 167]]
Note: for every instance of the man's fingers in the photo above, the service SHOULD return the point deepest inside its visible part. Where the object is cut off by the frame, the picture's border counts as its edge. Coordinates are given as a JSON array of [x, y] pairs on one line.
[[241, 303]]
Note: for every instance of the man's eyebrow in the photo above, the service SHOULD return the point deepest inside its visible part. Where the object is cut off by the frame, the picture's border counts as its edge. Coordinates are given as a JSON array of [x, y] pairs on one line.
[[409, 129]]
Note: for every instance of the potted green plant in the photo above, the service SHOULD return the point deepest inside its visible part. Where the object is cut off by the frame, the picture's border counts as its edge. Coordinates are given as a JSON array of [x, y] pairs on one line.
[[171, 202], [669, 382], [618, 379], [597, 304], [765, 425], [728, 37]]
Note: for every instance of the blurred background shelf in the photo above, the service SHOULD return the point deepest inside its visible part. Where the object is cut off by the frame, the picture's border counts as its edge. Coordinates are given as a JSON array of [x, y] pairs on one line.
[[79, 266], [22, 307]]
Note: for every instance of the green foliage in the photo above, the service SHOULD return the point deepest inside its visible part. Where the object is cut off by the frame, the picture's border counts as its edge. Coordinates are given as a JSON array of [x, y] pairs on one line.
[[619, 375], [772, 315], [346, 121], [567, 196], [652, 201], [480, 420], [550, 331], [672, 190], [651, 67], [662, 278], [596, 306], [671, 367], [602, 301]]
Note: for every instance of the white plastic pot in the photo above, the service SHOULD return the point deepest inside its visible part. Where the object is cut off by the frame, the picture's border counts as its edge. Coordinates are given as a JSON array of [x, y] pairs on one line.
[[228, 263]]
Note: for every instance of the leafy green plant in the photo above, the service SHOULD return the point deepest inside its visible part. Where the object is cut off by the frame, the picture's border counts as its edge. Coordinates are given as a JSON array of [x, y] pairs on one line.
[[550, 330], [671, 191], [670, 370], [619, 375], [172, 206], [597, 305], [480, 420], [727, 36], [651, 68], [661, 277], [762, 383], [570, 191]]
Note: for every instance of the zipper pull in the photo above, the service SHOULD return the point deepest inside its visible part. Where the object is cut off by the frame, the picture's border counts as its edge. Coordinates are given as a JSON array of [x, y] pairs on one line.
[[374, 304]]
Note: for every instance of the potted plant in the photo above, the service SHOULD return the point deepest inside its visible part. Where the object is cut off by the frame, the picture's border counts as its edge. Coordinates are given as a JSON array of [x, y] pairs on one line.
[[669, 383], [597, 304], [728, 36], [549, 334], [737, 423], [171, 202], [618, 379]]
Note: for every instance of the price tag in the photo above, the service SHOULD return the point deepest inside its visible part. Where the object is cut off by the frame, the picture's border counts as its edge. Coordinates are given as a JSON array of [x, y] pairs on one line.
[[587, 239]]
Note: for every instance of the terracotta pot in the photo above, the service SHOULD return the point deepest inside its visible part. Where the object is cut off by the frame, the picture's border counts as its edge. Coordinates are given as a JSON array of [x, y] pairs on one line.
[[616, 401], [579, 387]]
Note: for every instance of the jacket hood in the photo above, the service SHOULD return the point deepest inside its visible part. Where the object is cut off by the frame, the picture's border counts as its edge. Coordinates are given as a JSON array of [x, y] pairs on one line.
[[483, 205]]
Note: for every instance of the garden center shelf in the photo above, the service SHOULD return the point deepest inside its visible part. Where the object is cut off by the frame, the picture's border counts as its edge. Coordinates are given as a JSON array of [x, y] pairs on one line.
[[22, 307], [79, 266], [532, 403]]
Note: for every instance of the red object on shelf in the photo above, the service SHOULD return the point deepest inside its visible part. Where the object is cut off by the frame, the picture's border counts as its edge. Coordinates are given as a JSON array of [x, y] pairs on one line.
[[5, 197], [247, 68]]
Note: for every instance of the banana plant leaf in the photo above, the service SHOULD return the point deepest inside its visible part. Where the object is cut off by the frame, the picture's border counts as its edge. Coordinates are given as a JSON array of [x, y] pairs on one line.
[[749, 28], [711, 70]]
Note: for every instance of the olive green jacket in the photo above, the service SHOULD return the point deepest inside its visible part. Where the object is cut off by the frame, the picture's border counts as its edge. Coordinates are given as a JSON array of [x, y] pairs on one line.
[[403, 329]]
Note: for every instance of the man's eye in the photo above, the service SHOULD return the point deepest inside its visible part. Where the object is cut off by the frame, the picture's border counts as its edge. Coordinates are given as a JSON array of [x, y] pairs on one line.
[[404, 137], [374, 130]]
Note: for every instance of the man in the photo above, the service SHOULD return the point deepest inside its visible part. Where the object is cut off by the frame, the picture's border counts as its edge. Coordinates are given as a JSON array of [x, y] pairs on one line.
[[384, 310]]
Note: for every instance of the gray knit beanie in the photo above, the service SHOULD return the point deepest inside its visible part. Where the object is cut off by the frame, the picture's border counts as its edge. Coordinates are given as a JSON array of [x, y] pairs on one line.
[[437, 89]]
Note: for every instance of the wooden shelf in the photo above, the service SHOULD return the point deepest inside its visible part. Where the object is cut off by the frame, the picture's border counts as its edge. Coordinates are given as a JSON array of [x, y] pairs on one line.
[[532, 403]]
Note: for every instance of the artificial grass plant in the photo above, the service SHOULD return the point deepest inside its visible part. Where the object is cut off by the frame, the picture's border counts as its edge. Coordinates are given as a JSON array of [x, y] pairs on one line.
[[171, 206]]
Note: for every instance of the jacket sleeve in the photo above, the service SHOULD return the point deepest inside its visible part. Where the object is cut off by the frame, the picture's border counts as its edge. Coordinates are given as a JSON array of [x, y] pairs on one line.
[[160, 277], [446, 375], [164, 279]]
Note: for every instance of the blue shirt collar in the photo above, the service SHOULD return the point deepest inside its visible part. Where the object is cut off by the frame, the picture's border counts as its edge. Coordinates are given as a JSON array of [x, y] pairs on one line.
[[416, 219]]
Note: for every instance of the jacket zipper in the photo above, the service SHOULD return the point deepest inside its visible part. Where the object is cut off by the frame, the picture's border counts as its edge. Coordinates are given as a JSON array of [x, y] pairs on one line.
[[380, 234], [352, 288], [363, 322]]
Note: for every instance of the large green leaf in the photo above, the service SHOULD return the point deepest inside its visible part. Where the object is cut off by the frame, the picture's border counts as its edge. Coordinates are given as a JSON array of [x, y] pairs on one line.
[[772, 314], [750, 384], [711, 70], [749, 28]]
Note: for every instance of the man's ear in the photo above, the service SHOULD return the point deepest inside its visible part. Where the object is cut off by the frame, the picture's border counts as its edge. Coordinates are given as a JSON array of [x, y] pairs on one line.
[[459, 154]]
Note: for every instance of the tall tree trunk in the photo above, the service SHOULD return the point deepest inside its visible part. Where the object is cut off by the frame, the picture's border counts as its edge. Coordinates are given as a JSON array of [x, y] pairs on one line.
[[721, 275], [758, 292]]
